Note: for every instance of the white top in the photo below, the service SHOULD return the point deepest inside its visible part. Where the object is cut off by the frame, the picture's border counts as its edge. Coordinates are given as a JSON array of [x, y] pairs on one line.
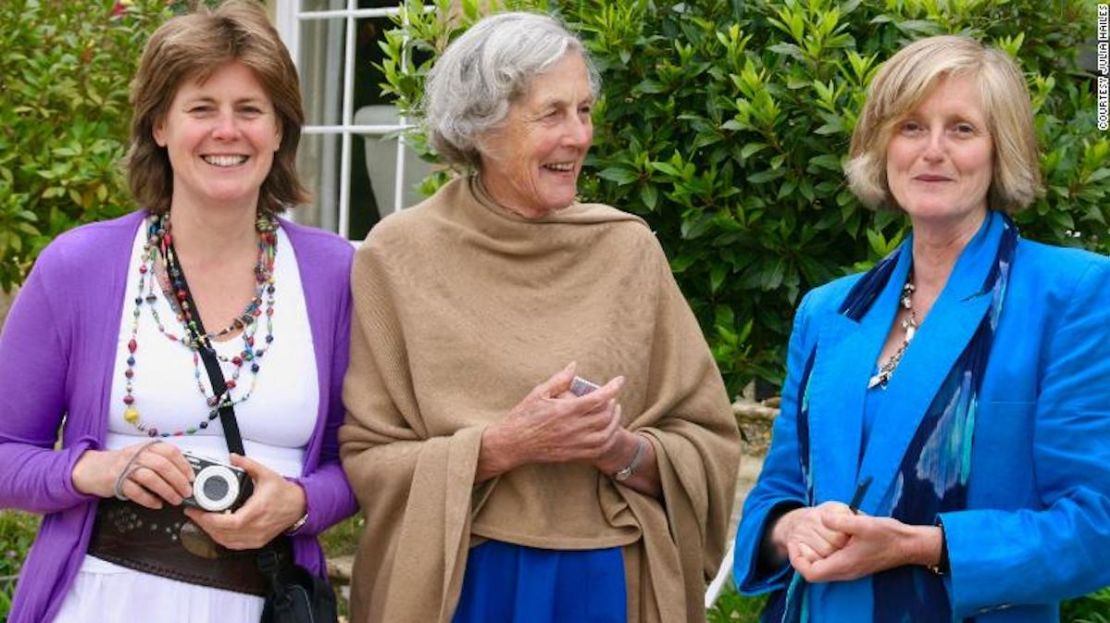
[[275, 422]]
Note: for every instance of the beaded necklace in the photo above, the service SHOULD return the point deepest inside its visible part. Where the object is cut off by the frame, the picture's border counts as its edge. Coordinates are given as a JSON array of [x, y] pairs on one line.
[[175, 289], [909, 329]]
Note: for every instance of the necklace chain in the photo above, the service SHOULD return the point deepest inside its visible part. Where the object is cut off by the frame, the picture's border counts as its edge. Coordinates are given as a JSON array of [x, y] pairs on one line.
[[160, 264], [909, 329]]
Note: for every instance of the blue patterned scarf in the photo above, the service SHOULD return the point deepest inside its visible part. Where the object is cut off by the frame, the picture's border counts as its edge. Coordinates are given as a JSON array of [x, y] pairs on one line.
[[937, 465]]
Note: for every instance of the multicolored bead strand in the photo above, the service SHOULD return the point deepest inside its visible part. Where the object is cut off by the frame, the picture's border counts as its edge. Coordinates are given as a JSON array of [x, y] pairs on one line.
[[159, 246]]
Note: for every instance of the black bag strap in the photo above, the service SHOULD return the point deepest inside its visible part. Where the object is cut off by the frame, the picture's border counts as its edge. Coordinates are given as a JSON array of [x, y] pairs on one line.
[[211, 364]]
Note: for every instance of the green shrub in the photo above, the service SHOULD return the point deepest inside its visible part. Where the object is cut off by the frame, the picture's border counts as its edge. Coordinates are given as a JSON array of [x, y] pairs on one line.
[[1094, 608], [17, 530], [732, 607], [342, 538], [725, 124], [63, 117]]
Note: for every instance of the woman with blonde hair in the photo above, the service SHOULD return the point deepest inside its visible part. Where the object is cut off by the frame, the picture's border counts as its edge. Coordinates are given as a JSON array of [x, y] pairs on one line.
[[943, 449]]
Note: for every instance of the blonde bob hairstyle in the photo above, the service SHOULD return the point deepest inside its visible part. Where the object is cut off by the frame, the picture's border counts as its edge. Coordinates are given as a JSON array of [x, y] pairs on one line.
[[906, 80], [192, 47]]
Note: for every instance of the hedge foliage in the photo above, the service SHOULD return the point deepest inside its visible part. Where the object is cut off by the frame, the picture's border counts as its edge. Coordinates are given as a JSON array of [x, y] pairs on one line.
[[725, 124], [17, 531], [64, 112], [722, 122]]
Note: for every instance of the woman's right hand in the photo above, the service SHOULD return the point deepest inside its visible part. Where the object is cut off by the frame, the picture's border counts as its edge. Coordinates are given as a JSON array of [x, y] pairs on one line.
[[550, 425], [159, 473], [802, 534]]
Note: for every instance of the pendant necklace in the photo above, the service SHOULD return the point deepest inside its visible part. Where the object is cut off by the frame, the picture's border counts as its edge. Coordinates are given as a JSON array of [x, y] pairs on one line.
[[909, 329]]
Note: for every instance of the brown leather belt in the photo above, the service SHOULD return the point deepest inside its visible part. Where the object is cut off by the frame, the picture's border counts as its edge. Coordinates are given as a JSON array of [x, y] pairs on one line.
[[165, 543]]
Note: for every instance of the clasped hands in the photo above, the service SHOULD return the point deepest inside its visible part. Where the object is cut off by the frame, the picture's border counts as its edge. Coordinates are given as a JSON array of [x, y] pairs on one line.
[[552, 425], [153, 474], [830, 543]]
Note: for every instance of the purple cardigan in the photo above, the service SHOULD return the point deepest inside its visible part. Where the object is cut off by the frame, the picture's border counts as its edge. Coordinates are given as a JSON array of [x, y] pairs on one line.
[[56, 358]]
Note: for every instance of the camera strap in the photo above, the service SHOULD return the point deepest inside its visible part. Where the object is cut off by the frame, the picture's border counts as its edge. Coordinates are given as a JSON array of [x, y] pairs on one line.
[[211, 364], [269, 562], [219, 388], [292, 593]]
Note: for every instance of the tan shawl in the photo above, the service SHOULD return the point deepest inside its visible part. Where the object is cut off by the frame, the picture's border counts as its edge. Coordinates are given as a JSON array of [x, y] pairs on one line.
[[461, 308]]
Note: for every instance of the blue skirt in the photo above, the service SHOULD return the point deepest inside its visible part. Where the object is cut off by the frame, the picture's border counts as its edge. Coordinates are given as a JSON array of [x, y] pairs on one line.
[[506, 583]]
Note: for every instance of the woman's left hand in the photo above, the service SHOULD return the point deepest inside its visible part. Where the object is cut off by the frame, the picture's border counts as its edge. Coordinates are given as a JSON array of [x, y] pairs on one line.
[[275, 505], [874, 544]]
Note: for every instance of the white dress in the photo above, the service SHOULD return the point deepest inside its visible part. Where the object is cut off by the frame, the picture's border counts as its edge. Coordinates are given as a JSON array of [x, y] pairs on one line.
[[276, 423]]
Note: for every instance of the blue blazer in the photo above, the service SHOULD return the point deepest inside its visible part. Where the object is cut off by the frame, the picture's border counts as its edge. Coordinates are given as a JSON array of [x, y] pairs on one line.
[[1037, 526]]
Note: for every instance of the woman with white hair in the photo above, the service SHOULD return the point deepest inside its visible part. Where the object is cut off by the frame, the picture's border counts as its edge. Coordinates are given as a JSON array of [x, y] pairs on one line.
[[499, 483], [943, 450]]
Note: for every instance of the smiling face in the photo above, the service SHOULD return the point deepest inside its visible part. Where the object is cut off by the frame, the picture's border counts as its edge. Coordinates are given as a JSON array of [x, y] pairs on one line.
[[939, 159], [530, 163], [220, 137]]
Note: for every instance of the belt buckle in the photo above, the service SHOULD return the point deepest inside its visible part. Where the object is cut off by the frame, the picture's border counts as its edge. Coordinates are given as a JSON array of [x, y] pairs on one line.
[[197, 542]]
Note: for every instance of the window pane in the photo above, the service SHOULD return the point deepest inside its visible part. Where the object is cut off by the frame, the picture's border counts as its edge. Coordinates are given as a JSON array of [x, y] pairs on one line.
[[318, 166], [323, 5], [374, 170], [322, 43], [378, 4], [373, 159]]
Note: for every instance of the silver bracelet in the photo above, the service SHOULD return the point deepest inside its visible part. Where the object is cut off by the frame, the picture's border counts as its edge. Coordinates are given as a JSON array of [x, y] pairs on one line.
[[626, 473], [297, 525], [117, 489]]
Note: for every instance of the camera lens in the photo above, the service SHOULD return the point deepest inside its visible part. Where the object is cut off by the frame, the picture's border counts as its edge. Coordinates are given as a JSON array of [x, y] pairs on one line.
[[215, 488]]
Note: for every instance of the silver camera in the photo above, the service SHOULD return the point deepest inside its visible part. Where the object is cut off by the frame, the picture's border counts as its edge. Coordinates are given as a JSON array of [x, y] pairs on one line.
[[580, 386], [217, 487]]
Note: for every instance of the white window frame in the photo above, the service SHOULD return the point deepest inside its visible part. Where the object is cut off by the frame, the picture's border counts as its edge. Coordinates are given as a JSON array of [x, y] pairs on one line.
[[288, 20]]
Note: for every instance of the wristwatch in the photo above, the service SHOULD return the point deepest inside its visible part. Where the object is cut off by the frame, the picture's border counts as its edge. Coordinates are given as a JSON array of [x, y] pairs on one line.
[[626, 473]]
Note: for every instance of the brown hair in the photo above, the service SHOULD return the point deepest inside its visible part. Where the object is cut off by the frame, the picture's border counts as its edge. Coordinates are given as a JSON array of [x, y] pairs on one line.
[[908, 78], [193, 47]]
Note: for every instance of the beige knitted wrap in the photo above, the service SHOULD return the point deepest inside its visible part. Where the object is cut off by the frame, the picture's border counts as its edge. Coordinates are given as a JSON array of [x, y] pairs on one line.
[[461, 308]]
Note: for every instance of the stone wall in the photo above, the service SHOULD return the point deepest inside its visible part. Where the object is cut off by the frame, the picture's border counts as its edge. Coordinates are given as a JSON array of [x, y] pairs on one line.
[[755, 420]]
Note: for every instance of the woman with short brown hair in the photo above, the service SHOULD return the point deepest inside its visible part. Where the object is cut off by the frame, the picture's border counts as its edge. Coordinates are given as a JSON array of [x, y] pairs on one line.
[[107, 337]]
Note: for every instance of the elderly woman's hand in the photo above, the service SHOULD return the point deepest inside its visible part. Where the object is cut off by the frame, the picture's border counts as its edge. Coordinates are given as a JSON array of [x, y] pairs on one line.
[[553, 426], [802, 535], [873, 544], [274, 506], [148, 473]]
